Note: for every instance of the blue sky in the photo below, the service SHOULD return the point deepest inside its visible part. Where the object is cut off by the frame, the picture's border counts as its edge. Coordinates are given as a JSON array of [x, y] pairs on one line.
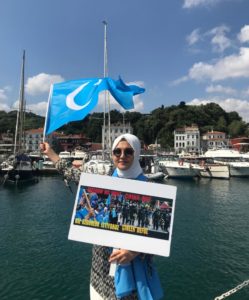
[[195, 51]]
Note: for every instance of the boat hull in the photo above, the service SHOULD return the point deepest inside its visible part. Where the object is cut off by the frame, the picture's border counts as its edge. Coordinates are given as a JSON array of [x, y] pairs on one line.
[[158, 176], [182, 172], [215, 171], [20, 177], [239, 169]]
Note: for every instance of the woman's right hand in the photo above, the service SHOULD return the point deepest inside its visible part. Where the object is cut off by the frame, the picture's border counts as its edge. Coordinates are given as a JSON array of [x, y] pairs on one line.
[[45, 147], [47, 150]]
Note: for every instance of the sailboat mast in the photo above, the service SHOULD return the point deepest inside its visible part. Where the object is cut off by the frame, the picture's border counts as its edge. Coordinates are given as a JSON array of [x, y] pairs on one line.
[[20, 112]]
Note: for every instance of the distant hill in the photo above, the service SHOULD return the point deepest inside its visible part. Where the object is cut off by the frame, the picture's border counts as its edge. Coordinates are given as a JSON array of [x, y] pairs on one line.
[[159, 124], [8, 121]]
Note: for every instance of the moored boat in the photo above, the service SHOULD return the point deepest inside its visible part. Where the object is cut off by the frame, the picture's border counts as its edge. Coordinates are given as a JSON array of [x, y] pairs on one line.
[[47, 167], [213, 170], [21, 172], [65, 155], [97, 166], [237, 164], [151, 167], [179, 168], [20, 168]]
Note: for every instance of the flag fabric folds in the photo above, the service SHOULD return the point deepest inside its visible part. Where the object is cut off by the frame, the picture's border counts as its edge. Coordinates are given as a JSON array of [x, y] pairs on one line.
[[73, 100]]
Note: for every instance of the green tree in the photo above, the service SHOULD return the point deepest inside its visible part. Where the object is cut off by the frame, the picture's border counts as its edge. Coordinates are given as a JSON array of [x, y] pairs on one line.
[[222, 124], [237, 128]]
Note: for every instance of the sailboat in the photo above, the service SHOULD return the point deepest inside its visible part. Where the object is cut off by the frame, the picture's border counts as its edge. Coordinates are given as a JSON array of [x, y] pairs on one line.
[[20, 170]]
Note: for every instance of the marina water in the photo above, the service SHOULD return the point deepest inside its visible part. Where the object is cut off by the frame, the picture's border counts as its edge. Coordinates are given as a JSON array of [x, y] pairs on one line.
[[209, 253]]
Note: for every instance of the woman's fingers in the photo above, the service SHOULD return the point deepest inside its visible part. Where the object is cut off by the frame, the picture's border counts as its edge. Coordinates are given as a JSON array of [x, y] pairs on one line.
[[122, 256]]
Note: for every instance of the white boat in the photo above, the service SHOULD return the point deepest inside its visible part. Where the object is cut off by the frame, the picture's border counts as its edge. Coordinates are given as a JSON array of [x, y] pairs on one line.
[[158, 176], [95, 166], [222, 153], [151, 167], [238, 166], [6, 166], [79, 154], [35, 155], [213, 170], [209, 168], [179, 168], [47, 166], [65, 155], [245, 156]]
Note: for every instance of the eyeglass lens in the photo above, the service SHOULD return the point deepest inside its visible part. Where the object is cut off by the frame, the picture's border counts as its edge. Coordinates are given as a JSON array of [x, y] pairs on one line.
[[126, 151]]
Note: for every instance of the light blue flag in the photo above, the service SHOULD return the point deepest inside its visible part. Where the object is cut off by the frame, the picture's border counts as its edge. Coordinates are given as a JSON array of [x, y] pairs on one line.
[[73, 100]]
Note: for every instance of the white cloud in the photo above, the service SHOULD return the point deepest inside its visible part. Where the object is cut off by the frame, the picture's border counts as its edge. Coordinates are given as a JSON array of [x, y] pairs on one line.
[[39, 108], [232, 66], [138, 103], [3, 95], [228, 104], [243, 36], [4, 107], [179, 81], [193, 37], [15, 105], [220, 89], [4, 98], [195, 3], [246, 92], [219, 40], [41, 83]]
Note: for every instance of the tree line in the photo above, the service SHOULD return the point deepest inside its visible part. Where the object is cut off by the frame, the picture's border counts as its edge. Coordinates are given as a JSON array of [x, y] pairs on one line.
[[158, 126]]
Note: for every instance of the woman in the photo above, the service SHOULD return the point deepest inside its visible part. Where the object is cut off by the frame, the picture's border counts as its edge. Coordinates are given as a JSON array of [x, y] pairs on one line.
[[135, 276]]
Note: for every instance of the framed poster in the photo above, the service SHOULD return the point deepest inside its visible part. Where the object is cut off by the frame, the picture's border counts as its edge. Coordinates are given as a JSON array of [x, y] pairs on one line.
[[124, 213]]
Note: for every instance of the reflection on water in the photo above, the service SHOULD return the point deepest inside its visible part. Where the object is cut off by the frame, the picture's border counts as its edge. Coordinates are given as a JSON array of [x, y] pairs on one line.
[[209, 253]]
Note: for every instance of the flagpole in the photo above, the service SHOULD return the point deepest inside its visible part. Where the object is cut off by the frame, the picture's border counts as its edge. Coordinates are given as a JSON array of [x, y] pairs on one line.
[[47, 112], [104, 124], [107, 98]]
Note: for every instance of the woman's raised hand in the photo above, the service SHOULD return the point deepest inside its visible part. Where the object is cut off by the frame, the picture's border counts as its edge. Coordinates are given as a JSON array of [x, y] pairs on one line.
[[46, 149]]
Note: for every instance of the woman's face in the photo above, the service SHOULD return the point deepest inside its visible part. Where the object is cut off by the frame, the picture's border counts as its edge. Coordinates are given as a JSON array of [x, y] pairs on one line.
[[123, 156]]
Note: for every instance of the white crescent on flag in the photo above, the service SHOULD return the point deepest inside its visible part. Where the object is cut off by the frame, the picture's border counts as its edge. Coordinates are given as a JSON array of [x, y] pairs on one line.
[[70, 98]]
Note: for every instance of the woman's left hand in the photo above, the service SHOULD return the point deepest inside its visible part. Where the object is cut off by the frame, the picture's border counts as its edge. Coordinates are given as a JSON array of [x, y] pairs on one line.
[[122, 256]]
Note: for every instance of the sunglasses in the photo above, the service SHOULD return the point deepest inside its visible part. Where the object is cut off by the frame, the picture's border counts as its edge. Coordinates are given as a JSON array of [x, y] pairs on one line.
[[127, 152]]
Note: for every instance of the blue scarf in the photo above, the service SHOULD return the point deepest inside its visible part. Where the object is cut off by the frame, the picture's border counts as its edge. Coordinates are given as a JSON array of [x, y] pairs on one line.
[[139, 274]]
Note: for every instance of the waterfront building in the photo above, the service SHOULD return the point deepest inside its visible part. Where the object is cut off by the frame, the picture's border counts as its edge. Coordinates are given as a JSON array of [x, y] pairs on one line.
[[240, 143], [187, 139], [32, 139], [71, 141], [115, 131], [6, 143], [214, 140]]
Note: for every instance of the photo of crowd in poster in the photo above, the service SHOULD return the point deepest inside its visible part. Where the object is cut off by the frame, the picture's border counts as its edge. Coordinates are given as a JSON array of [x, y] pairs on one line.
[[124, 212]]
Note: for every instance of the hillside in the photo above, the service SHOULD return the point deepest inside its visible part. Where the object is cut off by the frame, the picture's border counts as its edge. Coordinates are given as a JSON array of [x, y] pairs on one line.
[[159, 124]]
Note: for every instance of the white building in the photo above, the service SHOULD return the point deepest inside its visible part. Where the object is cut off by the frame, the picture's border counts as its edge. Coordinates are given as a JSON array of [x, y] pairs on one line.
[[214, 139], [115, 131], [187, 139], [6, 143], [32, 139]]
